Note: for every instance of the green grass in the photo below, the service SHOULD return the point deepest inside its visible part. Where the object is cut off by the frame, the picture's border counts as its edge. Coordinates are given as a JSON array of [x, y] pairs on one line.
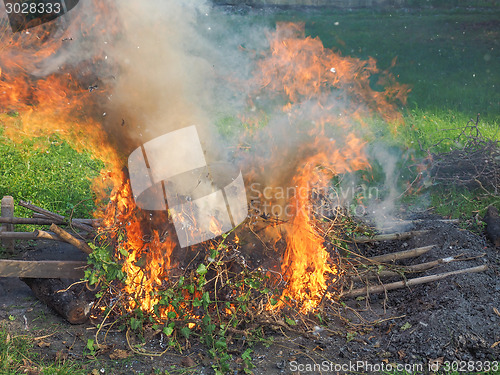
[[16, 357], [49, 173]]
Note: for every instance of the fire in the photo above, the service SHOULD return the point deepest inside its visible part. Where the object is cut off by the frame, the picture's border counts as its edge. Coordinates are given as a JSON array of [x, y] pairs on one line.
[[316, 84], [308, 80]]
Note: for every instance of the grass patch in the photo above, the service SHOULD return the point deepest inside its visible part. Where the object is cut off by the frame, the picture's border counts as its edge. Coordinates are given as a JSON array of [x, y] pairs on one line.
[[17, 357], [49, 173]]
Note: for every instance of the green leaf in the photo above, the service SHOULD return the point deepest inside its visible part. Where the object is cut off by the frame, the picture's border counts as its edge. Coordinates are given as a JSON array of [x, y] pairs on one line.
[[405, 326], [135, 323], [190, 288], [246, 354], [221, 344], [273, 301], [186, 332], [201, 270], [90, 345], [171, 315], [167, 330], [123, 252], [196, 302], [205, 299], [290, 321]]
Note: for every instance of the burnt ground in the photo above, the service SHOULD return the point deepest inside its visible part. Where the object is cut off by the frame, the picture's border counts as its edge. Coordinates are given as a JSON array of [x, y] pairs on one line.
[[453, 319]]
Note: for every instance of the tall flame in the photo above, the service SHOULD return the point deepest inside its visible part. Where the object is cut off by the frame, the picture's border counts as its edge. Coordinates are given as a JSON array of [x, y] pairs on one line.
[[317, 85]]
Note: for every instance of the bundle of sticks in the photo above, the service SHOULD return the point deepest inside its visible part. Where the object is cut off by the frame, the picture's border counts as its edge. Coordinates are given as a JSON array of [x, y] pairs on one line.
[[82, 228], [382, 267]]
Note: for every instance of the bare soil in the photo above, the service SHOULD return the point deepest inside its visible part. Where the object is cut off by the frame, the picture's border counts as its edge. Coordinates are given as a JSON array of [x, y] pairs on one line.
[[449, 320]]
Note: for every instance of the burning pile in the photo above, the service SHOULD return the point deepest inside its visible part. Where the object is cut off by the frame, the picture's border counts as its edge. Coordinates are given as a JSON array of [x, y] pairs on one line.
[[314, 102]]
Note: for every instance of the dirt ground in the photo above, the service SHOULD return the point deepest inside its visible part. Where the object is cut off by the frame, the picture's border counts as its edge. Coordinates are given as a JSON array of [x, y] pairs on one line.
[[454, 319]]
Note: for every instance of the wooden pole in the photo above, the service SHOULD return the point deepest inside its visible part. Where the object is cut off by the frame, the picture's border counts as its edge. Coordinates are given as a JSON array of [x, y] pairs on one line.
[[7, 212], [35, 235], [60, 235], [55, 216], [401, 284], [42, 221]]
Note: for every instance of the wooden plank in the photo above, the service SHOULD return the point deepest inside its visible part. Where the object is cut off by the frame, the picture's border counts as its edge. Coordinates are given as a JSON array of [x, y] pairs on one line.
[[46, 269]]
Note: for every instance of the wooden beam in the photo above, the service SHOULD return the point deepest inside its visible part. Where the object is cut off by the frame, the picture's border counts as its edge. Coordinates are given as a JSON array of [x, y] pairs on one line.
[[46, 269]]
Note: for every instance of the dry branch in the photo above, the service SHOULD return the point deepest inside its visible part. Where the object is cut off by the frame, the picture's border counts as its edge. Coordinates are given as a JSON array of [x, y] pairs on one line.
[[391, 236], [412, 253], [474, 161], [56, 217], [401, 284], [71, 239]]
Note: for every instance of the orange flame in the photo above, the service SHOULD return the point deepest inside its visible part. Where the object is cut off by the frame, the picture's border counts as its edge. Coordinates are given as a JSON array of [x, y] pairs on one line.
[[336, 92]]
